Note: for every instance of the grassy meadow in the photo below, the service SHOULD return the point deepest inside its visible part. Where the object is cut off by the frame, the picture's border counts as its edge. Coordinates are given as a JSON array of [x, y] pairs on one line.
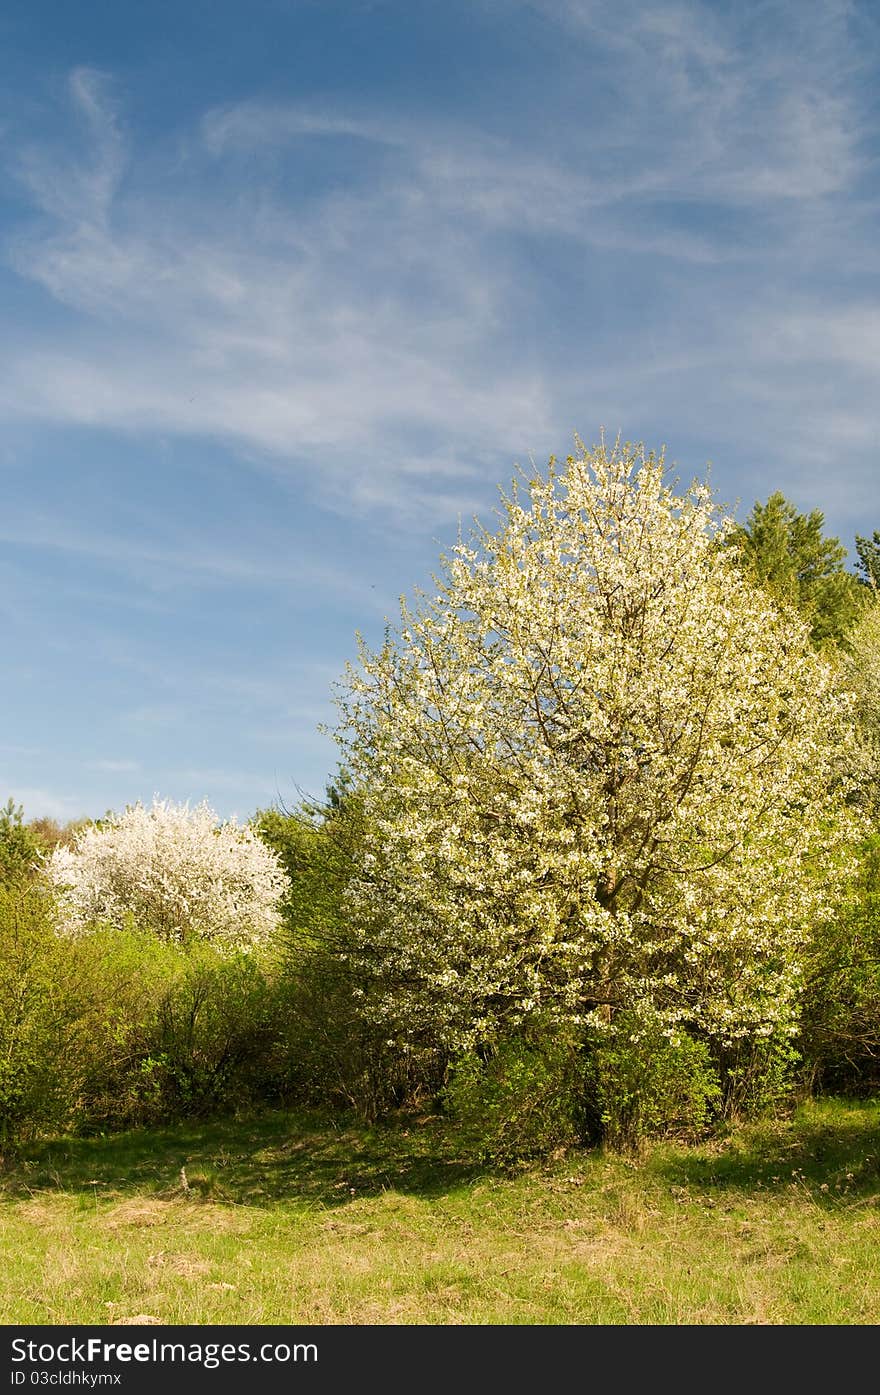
[[300, 1218]]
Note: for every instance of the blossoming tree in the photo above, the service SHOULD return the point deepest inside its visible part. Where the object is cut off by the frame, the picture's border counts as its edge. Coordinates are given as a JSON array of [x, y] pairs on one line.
[[598, 770], [172, 869]]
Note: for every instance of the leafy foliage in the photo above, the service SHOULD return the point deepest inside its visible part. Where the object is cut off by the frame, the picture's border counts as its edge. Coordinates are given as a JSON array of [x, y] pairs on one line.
[[860, 674], [337, 1050], [20, 849], [37, 1018], [841, 1025], [787, 553], [520, 1100], [318, 847], [49, 833], [759, 1077], [645, 1081], [212, 1042], [868, 552]]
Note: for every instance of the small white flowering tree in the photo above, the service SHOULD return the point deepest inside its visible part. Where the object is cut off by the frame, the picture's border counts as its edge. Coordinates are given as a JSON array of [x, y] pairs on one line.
[[598, 773], [174, 870]]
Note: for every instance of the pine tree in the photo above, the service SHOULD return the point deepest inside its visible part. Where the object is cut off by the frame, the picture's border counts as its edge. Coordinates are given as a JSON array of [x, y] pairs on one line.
[[787, 553]]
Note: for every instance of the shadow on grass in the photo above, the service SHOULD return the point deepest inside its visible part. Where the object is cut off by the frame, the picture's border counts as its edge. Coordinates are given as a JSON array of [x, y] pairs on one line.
[[830, 1148], [270, 1158]]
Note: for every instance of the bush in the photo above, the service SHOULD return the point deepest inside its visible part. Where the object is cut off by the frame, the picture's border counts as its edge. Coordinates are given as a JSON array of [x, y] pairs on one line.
[[522, 1099], [76, 1019], [120, 1029], [172, 870], [335, 1051], [643, 1082], [189, 1033], [758, 1077], [212, 1043], [121, 977], [40, 1023], [840, 1031]]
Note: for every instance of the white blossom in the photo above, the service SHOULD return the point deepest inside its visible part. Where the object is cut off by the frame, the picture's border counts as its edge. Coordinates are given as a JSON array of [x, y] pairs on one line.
[[598, 771], [172, 869]]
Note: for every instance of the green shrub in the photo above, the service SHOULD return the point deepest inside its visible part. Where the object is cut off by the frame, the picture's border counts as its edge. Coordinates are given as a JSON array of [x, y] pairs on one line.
[[120, 978], [840, 1030], [211, 1045], [335, 1054], [522, 1099], [318, 847], [758, 1077], [39, 1022], [68, 1010], [190, 1032], [119, 1029], [642, 1083]]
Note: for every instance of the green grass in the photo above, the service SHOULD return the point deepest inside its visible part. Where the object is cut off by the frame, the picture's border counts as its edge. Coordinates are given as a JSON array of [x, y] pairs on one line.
[[290, 1218]]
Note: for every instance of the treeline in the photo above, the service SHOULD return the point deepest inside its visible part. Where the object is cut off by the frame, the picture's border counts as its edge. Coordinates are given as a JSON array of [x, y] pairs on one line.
[[602, 861]]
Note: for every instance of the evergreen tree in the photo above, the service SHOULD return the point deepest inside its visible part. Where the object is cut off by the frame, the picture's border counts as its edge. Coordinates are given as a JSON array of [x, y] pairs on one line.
[[868, 550], [19, 848], [787, 553]]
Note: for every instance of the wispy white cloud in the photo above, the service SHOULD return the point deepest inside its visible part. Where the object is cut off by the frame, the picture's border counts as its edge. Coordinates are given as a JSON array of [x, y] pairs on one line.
[[308, 332], [740, 104], [387, 337], [79, 188], [243, 126], [842, 334]]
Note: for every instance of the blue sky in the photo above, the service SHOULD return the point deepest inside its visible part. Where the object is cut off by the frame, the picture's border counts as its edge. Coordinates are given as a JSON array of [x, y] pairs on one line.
[[289, 287]]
